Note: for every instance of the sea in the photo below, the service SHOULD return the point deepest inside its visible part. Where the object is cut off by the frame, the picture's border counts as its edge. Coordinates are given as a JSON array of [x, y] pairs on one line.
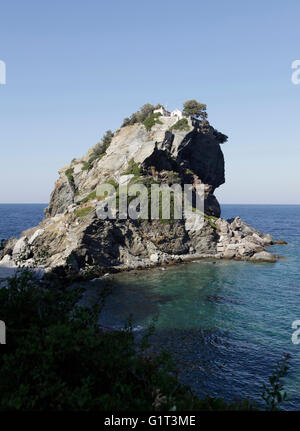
[[226, 323]]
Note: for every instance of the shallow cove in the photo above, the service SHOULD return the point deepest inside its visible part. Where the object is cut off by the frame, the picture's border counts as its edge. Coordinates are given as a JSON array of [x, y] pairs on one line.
[[226, 323]]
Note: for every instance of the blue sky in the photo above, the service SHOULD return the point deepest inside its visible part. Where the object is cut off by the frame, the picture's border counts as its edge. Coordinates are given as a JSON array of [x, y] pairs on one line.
[[76, 69]]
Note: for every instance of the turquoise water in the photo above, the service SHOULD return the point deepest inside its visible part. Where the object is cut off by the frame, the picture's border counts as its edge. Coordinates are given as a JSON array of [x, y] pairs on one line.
[[226, 323]]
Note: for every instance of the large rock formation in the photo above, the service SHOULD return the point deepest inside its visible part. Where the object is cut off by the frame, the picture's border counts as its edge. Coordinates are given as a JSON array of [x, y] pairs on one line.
[[72, 237]]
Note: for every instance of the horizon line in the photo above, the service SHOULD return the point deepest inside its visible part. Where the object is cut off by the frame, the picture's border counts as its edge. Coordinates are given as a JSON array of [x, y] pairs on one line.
[[224, 203]]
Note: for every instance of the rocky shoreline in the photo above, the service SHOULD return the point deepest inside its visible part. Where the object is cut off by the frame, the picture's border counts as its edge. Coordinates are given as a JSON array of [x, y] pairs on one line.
[[236, 241]]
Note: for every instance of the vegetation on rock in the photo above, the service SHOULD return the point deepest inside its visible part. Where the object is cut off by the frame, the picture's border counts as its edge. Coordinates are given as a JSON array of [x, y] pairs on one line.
[[140, 116], [102, 146], [152, 120], [83, 212], [98, 150], [181, 125], [133, 168], [69, 174], [192, 108], [89, 197]]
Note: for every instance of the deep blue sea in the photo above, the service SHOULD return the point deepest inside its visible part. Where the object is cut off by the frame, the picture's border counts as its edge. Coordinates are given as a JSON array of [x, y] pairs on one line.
[[14, 218], [226, 323]]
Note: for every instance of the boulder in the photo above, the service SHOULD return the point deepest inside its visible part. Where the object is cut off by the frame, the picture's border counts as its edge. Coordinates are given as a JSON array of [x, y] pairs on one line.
[[20, 246], [125, 179], [7, 262], [229, 253], [268, 239], [36, 234], [257, 239], [223, 226], [264, 256], [155, 257]]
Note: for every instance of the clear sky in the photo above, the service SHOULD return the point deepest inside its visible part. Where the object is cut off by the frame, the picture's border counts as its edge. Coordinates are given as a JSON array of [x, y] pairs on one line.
[[77, 68]]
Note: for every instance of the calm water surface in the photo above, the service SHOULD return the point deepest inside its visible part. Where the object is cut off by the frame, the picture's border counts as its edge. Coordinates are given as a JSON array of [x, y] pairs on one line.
[[226, 323]]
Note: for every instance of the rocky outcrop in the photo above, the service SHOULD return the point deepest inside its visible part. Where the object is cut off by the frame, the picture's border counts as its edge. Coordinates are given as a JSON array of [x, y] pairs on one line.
[[241, 241], [194, 155], [72, 238], [62, 196]]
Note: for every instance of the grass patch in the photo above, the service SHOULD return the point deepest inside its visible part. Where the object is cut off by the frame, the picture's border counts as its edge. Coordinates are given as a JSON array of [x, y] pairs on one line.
[[99, 150], [85, 166], [211, 219], [89, 197], [180, 125], [152, 120], [133, 169], [113, 182], [83, 212], [69, 174]]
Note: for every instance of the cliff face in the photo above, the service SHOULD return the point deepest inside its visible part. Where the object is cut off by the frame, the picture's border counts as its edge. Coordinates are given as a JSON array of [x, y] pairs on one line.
[[194, 150], [73, 238]]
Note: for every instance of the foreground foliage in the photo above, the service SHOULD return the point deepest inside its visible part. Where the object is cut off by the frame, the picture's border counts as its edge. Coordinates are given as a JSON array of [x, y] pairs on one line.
[[57, 358]]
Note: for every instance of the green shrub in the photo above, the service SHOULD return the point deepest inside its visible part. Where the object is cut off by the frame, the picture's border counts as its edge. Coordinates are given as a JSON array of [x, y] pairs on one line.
[[83, 212], [139, 116], [152, 120], [133, 169], [99, 150], [126, 122], [102, 146], [85, 166], [181, 125], [89, 164], [193, 108], [273, 393], [69, 174]]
